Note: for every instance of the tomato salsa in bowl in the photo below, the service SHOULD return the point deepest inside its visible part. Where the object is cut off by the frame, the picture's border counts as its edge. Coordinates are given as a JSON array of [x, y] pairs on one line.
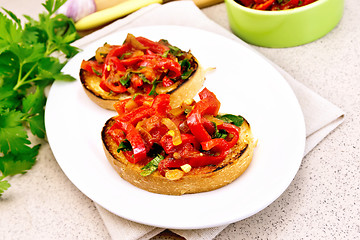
[[287, 27]]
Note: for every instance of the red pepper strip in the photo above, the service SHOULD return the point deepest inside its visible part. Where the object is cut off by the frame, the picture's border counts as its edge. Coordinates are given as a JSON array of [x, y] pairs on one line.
[[167, 143], [109, 82], [136, 115], [135, 60], [112, 84], [200, 161], [170, 162], [169, 64], [92, 67], [161, 104], [196, 128], [118, 51], [207, 105], [234, 130], [153, 46], [112, 64], [116, 134], [217, 144], [104, 86], [120, 106], [208, 125], [136, 80], [134, 137], [264, 6]]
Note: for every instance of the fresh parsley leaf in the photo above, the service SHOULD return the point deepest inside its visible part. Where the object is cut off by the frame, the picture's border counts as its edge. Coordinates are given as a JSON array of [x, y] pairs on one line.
[[13, 136], [33, 106], [9, 99], [4, 185], [237, 120], [152, 166], [10, 32], [12, 164], [27, 66]]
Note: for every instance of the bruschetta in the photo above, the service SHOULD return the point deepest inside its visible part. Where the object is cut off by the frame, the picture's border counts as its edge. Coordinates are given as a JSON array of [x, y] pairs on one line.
[[187, 149], [140, 66]]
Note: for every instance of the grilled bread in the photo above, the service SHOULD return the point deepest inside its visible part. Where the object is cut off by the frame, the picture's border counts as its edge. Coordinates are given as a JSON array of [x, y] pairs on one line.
[[198, 179], [197, 149], [179, 87]]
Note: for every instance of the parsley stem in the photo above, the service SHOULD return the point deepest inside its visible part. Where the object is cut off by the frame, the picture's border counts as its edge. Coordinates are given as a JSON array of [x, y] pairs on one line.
[[49, 49], [22, 81]]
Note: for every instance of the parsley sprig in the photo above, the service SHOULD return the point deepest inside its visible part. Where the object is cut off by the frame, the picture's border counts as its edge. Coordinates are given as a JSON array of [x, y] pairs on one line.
[[27, 65]]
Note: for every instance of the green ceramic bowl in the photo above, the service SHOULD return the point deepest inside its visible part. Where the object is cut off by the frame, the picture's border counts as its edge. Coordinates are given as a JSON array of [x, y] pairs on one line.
[[285, 28]]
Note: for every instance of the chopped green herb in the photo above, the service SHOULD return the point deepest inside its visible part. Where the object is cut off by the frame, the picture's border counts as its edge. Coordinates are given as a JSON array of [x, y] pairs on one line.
[[152, 166], [142, 76], [124, 146], [219, 133], [125, 80], [96, 72], [165, 54], [124, 55], [175, 51], [186, 69], [237, 120], [153, 89]]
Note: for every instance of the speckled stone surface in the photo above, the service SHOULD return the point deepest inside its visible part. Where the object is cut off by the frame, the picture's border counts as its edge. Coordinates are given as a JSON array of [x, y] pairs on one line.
[[321, 203]]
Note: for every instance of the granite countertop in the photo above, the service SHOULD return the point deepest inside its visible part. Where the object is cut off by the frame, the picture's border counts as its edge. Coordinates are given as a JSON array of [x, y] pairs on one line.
[[322, 202]]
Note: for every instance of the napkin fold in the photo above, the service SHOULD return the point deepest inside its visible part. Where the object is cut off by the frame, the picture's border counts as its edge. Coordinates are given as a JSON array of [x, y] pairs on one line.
[[321, 116]]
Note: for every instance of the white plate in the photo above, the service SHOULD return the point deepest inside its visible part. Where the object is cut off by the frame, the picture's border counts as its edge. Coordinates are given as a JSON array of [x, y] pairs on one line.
[[245, 84]]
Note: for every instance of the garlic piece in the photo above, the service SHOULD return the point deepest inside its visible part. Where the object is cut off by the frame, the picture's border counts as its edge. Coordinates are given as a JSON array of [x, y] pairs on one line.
[[77, 9]]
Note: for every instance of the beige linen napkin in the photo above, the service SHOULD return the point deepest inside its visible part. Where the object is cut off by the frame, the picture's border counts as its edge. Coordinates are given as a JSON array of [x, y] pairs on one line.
[[321, 116]]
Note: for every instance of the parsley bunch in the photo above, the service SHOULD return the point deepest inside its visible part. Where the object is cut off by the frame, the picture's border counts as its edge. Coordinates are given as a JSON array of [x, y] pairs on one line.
[[27, 66]]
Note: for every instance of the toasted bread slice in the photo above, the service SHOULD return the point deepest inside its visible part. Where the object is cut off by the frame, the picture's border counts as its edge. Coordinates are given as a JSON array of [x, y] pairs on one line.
[[180, 90], [199, 179]]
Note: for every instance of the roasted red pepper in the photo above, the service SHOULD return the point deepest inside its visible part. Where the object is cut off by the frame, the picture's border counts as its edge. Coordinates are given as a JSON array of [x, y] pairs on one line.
[[137, 144], [134, 66], [233, 130], [153, 46], [208, 105], [155, 124], [92, 66]]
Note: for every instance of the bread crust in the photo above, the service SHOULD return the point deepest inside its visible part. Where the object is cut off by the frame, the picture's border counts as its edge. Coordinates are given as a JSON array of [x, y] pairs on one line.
[[200, 179], [187, 88]]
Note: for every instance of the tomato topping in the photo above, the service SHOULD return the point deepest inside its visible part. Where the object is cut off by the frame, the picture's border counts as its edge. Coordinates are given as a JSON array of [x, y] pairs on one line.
[[192, 138]]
